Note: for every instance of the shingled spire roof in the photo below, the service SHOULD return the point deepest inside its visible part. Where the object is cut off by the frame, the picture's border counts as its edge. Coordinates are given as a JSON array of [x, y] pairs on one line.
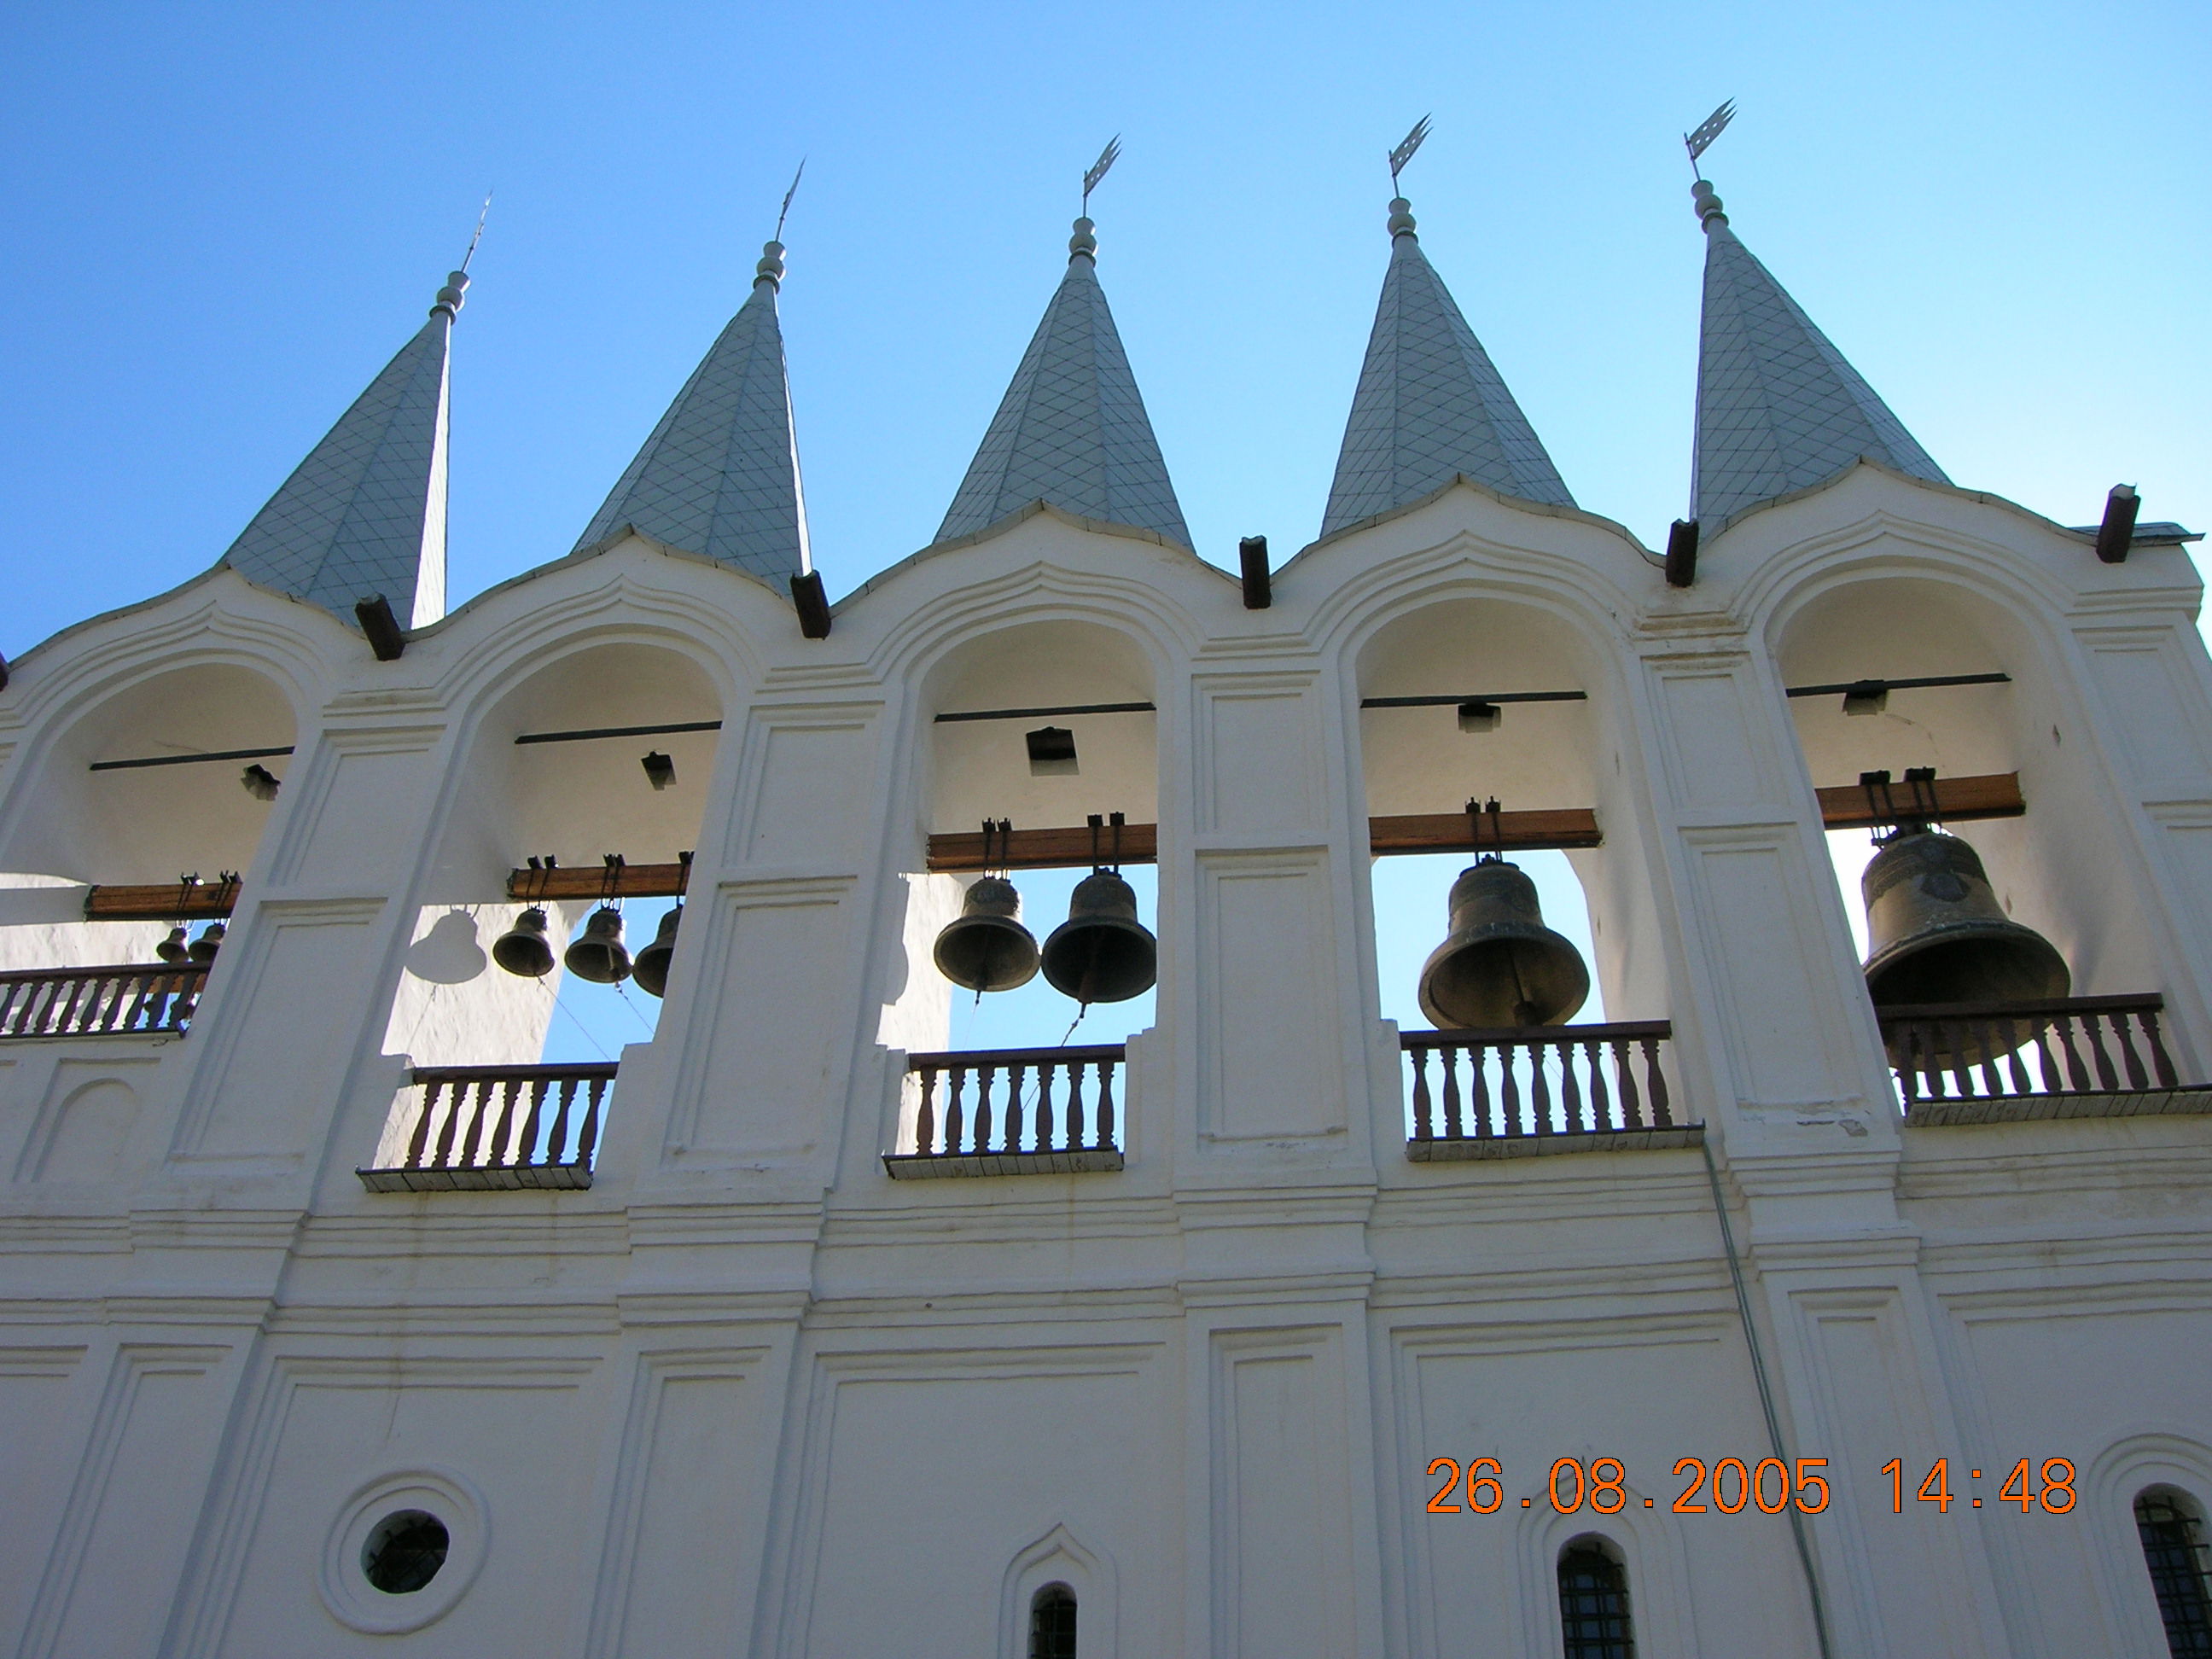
[[1778, 409], [1072, 431], [719, 475], [364, 514], [1430, 404]]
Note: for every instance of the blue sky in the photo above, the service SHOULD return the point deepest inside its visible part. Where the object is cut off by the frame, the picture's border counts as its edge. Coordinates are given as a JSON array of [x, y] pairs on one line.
[[223, 219]]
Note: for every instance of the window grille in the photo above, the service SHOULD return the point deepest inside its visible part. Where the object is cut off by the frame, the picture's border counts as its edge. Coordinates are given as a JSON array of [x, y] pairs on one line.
[[2172, 1532], [1052, 1623], [1594, 1605]]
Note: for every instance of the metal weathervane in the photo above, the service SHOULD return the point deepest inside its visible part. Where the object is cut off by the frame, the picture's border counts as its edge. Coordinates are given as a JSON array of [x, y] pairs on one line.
[[1708, 130], [1099, 169], [1404, 152], [482, 214], [784, 212]]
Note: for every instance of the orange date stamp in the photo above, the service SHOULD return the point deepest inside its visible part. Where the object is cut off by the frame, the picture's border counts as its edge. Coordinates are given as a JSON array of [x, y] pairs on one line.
[[1731, 1486]]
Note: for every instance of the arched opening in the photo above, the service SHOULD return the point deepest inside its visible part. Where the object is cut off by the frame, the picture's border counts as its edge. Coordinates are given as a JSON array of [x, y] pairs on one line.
[[1594, 1615], [171, 778], [1052, 1623], [2171, 1525], [1048, 727], [1477, 700], [607, 750], [1901, 676]]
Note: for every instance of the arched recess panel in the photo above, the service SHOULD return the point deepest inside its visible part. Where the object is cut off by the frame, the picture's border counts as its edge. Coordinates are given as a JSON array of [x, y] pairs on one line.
[[2054, 869]]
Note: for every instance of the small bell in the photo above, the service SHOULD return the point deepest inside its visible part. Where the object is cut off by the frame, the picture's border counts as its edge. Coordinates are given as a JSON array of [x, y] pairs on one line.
[[650, 970], [172, 950], [597, 955], [523, 950], [210, 941], [1500, 966], [985, 947], [1102, 952]]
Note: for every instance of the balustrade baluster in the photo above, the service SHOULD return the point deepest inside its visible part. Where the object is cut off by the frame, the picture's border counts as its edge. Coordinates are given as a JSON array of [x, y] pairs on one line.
[[2077, 1074], [456, 1102], [1984, 1061], [1074, 1126], [953, 1116], [556, 1139], [1046, 1072], [1480, 1105], [1013, 1126], [1632, 1102], [1655, 1081], [2132, 1061], [1424, 1126], [924, 1117], [533, 1120], [1540, 1086], [2162, 1063], [496, 1157], [1105, 1104], [2092, 1028], [985, 1078], [421, 1137], [588, 1138], [1570, 1092], [2009, 1034], [1454, 1124], [60, 1024], [1601, 1099], [471, 1142], [1508, 1091]]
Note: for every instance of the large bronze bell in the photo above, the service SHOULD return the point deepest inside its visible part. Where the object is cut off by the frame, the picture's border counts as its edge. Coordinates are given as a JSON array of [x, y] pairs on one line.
[[210, 940], [523, 949], [1102, 952], [985, 947], [598, 954], [1939, 934], [174, 949], [1500, 965], [650, 970]]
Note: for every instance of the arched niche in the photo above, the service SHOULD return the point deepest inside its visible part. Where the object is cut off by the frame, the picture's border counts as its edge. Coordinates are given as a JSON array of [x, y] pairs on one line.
[[580, 798], [1539, 754], [983, 769], [129, 825], [2054, 868], [126, 825], [575, 798]]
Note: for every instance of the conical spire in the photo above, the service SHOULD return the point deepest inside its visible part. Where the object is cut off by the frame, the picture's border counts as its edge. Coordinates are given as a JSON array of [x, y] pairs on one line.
[[365, 513], [719, 475], [1430, 404], [1778, 409], [1072, 431]]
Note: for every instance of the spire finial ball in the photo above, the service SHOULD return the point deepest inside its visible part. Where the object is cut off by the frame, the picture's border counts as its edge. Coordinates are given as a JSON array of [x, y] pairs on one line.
[[1707, 203], [449, 299], [770, 267], [1401, 218], [1082, 242]]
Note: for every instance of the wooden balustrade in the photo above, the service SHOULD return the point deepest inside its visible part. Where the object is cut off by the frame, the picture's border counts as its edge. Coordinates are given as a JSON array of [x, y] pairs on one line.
[[1510, 1092], [127, 999], [501, 1127], [1013, 1111], [1962, 1063]]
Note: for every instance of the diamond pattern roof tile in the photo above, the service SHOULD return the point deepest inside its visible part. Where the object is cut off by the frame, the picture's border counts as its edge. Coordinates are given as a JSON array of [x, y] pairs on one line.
[[719, 476], [1430, 406], [1778, 408], [365, 513], [1072, 429]]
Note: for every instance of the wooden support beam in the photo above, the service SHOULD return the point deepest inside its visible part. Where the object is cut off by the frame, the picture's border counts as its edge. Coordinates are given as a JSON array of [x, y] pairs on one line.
[[1043, 849], [1682, 553], [1958, 800], [171, 901], [589, 881], [385, 637], [812, 604], [2118, 532], [1501, 832]]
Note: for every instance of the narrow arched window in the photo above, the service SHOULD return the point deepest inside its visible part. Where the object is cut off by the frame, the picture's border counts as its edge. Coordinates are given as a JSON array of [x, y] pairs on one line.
[[1594, 1603], [2172, 1528], [1052, 1623]]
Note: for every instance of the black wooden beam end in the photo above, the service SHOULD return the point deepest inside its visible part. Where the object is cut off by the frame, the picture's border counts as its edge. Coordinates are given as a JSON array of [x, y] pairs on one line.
[[1682, 553], [2119, 529], [812, 605], [1259, 586], [385, 637]]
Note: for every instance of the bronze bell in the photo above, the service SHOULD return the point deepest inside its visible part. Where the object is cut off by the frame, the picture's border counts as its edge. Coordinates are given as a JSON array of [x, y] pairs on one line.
[[1500, 966], [210, 941], [597, 955], [985, 947], [1939, 934], [172, 950], [522, 949], [1102, 952], [650, 970]]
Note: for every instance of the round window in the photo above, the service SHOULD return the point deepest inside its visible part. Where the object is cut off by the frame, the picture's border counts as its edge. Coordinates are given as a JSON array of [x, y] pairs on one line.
[[404, 1552]]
